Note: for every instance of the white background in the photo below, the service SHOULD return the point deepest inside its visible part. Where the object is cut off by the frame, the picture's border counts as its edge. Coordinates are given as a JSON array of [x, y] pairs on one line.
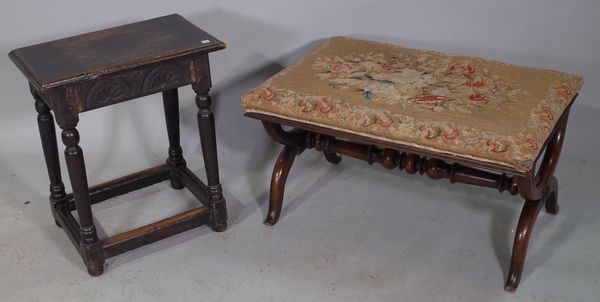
[[262, 38]]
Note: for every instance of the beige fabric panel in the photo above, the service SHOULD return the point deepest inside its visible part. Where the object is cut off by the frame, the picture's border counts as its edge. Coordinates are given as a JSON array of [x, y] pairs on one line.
[[470, 107]]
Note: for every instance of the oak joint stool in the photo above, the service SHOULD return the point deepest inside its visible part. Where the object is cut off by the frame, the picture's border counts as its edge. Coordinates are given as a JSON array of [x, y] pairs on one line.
[[465, 119], [98, 69]]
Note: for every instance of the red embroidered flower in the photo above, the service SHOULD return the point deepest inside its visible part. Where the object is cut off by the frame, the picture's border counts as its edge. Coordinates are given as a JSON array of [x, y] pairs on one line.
[[477, 84], [477, 97], [452, 134], [461, 69]]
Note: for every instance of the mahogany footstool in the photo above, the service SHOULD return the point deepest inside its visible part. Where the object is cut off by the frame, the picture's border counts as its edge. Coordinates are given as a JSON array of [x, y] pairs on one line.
[[466, 119], [98, 69]]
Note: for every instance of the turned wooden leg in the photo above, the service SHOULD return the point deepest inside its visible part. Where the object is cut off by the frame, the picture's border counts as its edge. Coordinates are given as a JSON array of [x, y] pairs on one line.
[[50, 148], [332, 157], [175, 160], [206, 127], [93, 257], [531, 209], [280, 172]]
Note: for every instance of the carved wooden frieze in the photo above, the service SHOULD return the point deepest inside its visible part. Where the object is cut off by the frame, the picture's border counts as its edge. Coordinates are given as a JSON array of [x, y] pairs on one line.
[[164, 76], [136, 83], [105, 92]]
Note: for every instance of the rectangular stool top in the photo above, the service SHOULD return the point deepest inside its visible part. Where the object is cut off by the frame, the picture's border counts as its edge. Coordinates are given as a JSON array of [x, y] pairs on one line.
[[461, 106], [68, 60]]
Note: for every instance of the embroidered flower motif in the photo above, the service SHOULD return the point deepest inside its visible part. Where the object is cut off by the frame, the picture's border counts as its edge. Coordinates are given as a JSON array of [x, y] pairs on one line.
[[430, 132], [477, 84], [267, 94], [323, 105], [497, 146], [417, 81], [477, 97], [547, 114], [530, 144], [461, 69], [562, 90], [390, 83], [452, 134]]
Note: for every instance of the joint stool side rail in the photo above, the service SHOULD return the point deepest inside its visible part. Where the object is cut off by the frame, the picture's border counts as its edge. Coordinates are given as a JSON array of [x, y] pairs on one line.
[[125, 184], [155, 231], [67, 222], [194, 185]]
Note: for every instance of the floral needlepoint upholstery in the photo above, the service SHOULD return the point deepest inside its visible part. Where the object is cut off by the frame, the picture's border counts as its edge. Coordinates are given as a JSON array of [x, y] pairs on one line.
[[469, 107]]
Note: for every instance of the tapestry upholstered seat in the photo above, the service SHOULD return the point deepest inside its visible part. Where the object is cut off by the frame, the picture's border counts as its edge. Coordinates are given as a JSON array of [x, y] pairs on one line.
[[465, 119], [467, 107]]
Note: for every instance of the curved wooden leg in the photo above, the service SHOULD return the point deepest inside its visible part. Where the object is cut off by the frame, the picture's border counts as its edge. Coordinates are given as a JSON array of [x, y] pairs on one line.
[[280, 172], [531, 209], [332, 157], [551, 196]]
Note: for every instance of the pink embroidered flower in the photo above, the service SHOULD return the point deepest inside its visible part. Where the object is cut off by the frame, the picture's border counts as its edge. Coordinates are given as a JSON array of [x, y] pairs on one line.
[[477, 97], [452, 134], [546, 128], [530, 144], [497, 146], [563, 90], [546, 114]]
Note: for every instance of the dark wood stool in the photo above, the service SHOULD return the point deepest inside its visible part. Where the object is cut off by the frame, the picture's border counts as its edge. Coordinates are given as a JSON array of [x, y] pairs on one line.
[[98, 69]]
